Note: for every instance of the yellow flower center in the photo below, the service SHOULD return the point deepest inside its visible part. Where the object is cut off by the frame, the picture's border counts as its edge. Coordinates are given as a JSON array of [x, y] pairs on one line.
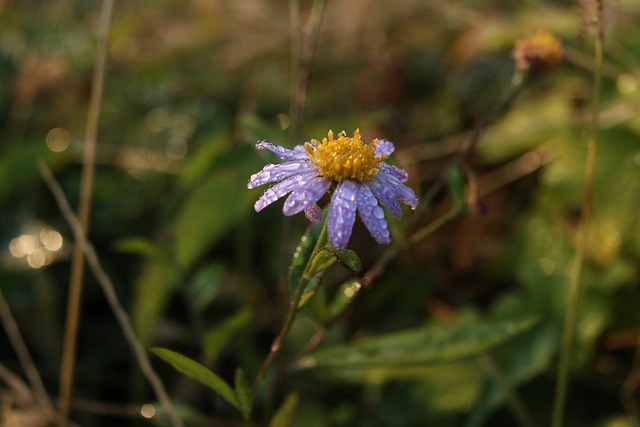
[[345, 158]]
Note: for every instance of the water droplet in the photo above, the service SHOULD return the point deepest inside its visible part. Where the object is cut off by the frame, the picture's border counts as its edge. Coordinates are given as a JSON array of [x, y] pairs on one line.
[[378, 212]]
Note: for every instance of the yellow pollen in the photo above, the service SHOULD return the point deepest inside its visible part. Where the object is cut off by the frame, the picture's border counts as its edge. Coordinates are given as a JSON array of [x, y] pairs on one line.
[[345, 158]]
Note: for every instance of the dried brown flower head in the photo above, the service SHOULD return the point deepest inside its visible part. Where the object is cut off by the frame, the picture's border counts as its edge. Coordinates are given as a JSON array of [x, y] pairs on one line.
[[539, 53]]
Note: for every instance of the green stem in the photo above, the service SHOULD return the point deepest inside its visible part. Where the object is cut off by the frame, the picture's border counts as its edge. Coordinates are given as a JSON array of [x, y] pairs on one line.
[[581, 245], [518, 408], [434, 226], [294, 306], [277, 343]]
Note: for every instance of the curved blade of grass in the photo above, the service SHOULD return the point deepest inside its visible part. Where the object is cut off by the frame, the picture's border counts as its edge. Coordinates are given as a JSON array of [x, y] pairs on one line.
[[198, 372]]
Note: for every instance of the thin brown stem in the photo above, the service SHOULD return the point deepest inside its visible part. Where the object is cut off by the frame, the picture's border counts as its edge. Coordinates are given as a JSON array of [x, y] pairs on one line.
[[303, 47], [575, 284], [20, 347], [109, 292], [84, 208], [296, 53], [20, 389]]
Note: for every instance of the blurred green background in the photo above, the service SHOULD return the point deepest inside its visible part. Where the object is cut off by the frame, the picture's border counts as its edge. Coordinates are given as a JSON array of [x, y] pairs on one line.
[[191, 86]]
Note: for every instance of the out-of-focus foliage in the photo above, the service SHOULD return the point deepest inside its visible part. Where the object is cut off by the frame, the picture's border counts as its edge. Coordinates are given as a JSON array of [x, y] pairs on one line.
[[191, 86]]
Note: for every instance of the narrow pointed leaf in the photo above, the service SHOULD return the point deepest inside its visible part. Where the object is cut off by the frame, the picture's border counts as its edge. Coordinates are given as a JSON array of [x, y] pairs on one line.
[[284, 415], [345, 295], [198, 372], [215, 338], [243, 394], [455, 182], [411, 348], [304, 251], [320, 261], [348, 258]]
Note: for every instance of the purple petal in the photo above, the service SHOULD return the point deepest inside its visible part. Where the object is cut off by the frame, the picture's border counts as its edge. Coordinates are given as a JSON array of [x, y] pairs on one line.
[[388, 189], [279, 172], [342, 214], [372, 215], [384, 147], [386, 196], [400, 191], [278, 190], [283, 153], [395, 171], [306, 194], [313, 213]]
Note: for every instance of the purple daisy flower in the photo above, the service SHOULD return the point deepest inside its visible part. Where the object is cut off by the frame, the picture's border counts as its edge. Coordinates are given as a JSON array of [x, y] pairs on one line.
[[362, 179]]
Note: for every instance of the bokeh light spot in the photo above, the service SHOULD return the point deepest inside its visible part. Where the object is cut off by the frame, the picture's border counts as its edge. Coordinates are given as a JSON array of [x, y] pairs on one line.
[[157, 119], [58, 140], [183, 125], [26, 244], [351, 290], [37, 258], [627, 83], [176, 148], [51, 239], [148, 410], [547, 265]]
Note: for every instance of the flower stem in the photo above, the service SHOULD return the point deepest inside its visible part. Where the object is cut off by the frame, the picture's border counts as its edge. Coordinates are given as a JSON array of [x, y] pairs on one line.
[[581, 245], [294, 306], [277, 343]]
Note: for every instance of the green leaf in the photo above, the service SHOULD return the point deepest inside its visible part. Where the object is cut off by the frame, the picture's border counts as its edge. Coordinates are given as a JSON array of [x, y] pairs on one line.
[[528, 355], [456, 184], [321, 259], [18, 167], [198, 372], [345, 295], [346, 257], [217, 203], [138, 246], [243, 394], [159, 279], [205, 157], [206, 285], [410, 348], [304, 251], [284, 415], [217, 336]]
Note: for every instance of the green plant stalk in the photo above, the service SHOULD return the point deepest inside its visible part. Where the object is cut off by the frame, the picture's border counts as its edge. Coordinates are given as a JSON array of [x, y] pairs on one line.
[[277, 343], [518, 408], [294, 307], [438, 223], [581, 245], [84, 208], [302, 53]]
